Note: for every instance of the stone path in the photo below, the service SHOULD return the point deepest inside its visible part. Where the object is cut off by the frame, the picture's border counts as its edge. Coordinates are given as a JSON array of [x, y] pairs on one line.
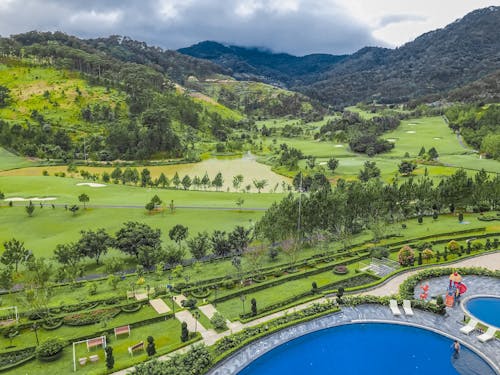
[[490, 261], [159, 305], [208, 309], [179, 298]]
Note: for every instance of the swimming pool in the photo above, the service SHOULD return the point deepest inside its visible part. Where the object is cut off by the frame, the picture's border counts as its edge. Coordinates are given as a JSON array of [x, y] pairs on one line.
[[373, 348], [486, 309]]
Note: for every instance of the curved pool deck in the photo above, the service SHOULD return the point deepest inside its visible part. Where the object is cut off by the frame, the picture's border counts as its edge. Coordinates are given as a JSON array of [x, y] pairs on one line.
[[448, 325]]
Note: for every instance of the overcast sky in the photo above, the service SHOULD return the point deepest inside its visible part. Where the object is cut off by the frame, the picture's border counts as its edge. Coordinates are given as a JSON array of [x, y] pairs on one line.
[[294, 26]]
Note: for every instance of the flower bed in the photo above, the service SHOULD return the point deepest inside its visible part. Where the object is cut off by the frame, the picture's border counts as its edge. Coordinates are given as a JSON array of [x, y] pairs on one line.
[[340, 270], [90, 317], [12, 359]]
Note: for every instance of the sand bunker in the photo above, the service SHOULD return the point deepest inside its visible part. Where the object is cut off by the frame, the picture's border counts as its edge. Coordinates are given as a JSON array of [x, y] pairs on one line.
[[411, 131], [437, 138], [91, 184], [323, 163], [412, 124], [338, 146], [391, 140], [18, 199]]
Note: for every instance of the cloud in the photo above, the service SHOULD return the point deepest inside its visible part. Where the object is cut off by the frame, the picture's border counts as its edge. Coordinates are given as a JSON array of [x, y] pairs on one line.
[[293, 26], [398, 18]]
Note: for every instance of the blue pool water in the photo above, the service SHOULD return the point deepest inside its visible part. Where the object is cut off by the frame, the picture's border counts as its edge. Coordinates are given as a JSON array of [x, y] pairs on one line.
[[371, 348], [486, 309]]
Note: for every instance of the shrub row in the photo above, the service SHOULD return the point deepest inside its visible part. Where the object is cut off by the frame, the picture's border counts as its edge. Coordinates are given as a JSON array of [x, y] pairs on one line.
[[418, 304], [294, 276], [90, 317], [9, 360]]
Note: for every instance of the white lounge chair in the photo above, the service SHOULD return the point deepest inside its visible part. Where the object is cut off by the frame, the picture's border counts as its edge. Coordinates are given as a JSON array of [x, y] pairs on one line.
[[471, 326], [488, 335], [407, 307], [393, 304]]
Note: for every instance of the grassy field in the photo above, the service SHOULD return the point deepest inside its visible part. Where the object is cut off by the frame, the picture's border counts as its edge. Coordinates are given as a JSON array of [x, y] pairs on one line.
[[10, 161], [54, 94]]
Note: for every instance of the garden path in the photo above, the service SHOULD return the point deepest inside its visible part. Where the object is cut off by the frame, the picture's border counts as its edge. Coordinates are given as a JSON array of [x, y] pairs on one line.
[[490, 261], [159, 305]]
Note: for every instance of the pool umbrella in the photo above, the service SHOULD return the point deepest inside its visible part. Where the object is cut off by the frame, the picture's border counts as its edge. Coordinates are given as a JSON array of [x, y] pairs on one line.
[[455, 277]]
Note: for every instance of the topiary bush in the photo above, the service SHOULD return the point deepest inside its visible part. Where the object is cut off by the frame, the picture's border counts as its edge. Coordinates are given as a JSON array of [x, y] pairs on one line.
[[50, 350], [406, 256], [219, 322], [184, 332], [151, 348], [189, 303]]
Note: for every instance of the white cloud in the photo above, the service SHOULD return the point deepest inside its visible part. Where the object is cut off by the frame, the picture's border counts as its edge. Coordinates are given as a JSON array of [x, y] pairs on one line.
[[96, 18]]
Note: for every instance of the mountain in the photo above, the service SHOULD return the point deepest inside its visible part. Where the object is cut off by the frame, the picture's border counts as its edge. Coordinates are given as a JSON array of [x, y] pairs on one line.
[[280, 69], [433, 64]]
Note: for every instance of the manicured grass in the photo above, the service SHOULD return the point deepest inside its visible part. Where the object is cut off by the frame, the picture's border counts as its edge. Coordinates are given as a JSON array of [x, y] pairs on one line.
[[232, 308], [10, 161], [166, 335]]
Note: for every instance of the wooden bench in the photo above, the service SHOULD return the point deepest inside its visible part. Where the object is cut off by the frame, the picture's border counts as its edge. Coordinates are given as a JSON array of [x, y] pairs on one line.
[[92, 343], [82, 361], [136, 347], [94, 358], [122, 330]]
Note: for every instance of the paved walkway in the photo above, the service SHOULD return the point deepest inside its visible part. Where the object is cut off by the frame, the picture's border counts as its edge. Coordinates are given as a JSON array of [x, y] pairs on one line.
[[159, 305], [490, 261]]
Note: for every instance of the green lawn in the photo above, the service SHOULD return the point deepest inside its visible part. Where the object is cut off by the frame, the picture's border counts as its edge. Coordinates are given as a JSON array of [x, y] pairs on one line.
[[166, 335], [10, 161]]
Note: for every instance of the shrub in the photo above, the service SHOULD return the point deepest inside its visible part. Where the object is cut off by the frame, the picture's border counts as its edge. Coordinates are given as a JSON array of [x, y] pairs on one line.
[[477, 245], [50, 348], [340, 270], [314, 288], [460, 217], [273, 253], [253, 303], [379, 252], [151, 348], [189, 303], [406, 256], [453, 247], [110, 359], [427, 254], [92, 287], [219, 322], [184, 332]]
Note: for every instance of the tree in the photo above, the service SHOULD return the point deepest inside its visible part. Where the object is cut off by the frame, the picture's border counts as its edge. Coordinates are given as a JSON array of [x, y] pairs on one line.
[[151, 348], [218, 181], [30, 209], [110, 359], [150, 206], [239, 202], [39, 272], [422, 151], [205, 181], [176, 180], [163, 181], [83, 198], [406, 256], [259, 184], [116, 175], [332, 164], [74, 208], [148, 256], [14, 253], [220, 243], [237, 181], [491, 145], [178, 234], [406, 167], [196, 182], [184, 332], [93, 244], [239, 239], [6, 278], [433, 154], [199, 245], [68, 254], [311, 162], [4, 96], [133, 235], [236, 263], [145, 177], [453, 247], [369, 171], [186, 182]]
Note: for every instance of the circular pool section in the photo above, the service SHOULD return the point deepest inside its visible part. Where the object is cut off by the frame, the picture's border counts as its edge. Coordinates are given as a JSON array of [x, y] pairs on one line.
[[369, 348], [485, 309]]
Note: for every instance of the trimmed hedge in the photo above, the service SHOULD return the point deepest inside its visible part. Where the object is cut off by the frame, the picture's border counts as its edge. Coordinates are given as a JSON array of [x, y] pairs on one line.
[[90, 317], [9, 360]]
